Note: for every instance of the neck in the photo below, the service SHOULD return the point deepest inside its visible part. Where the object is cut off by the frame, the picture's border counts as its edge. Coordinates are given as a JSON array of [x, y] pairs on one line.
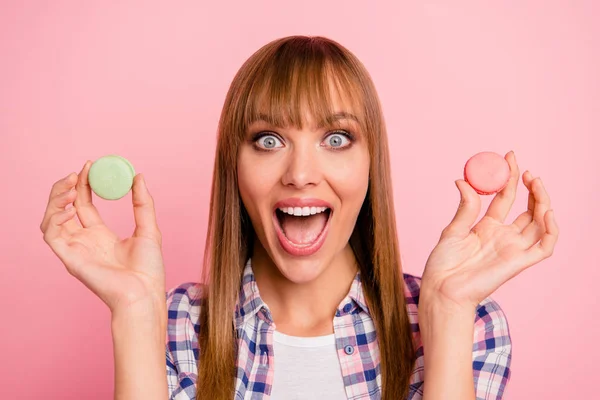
[[307, 308]]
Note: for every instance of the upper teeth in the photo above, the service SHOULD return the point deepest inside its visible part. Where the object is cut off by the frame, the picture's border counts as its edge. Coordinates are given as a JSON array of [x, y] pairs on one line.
[[301, 211]]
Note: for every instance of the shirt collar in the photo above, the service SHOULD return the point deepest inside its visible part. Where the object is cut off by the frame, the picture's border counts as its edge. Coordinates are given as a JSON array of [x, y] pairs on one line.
[[249, 302]]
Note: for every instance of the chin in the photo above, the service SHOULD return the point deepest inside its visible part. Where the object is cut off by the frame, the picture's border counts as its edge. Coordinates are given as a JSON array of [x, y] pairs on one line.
[[300, 270]]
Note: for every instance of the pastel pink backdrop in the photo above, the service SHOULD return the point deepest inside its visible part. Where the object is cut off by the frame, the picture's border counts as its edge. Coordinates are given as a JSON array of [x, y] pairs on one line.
[[147, 80]]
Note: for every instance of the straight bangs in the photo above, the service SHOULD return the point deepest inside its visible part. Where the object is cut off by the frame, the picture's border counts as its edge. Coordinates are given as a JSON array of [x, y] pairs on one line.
[[299, 79]]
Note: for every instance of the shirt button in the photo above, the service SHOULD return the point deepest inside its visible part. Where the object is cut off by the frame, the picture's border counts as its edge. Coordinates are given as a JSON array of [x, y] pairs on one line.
[[349, 349], [347, 307]]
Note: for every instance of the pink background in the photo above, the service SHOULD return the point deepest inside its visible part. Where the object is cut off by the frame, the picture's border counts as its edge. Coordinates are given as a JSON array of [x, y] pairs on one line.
[[80, 79]]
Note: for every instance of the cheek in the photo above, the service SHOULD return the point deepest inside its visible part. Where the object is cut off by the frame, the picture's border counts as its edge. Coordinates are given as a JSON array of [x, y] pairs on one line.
[[351, 179], [249, 189], [253, 190]]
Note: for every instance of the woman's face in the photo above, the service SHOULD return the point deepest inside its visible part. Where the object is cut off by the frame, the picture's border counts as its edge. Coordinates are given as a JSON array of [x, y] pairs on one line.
[[303, 190]]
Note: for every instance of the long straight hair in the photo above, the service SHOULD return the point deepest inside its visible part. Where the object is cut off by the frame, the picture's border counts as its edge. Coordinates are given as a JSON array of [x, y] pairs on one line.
[[284, 81]]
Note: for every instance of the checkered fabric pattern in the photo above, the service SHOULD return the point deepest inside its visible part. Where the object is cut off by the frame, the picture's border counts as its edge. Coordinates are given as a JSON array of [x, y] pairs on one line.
[[356, 342]]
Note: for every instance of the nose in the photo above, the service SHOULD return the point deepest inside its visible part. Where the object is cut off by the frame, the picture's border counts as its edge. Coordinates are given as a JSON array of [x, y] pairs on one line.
[[303, 168]]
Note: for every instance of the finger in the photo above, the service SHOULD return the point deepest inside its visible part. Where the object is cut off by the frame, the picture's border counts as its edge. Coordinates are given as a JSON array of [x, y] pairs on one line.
[[55, 229], [526, 217], [504, 200], [545, 247], [57, 237], [466, 215], [531, 233], [144, 212], [63, 185], [60, 196], [86, 211], [57, 205]]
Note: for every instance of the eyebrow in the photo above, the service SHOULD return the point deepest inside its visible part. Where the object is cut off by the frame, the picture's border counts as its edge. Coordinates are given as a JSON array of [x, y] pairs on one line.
[[328, 120], [340, 115]]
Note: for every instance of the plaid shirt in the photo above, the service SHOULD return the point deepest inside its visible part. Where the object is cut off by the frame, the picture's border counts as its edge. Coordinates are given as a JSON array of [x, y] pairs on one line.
[[355, 337]]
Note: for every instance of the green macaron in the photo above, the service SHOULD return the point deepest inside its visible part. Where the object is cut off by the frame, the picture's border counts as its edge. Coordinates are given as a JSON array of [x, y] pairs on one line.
[[111, 177]]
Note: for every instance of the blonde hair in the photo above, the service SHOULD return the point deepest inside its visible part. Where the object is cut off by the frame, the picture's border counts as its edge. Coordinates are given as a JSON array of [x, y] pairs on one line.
[[284, 81]]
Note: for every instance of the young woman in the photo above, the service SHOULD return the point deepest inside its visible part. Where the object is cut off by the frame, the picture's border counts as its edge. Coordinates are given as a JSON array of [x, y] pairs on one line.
[[303, 295]]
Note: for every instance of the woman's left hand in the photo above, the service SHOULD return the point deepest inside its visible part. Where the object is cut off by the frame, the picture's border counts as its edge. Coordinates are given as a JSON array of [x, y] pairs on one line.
[[470, 262]]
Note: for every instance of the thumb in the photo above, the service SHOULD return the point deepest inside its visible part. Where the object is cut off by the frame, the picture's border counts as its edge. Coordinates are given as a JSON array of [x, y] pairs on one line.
[[468, 210], [143, 211]]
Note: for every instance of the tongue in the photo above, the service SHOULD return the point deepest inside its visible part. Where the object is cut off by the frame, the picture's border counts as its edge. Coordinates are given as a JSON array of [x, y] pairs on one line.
[[303, 230]]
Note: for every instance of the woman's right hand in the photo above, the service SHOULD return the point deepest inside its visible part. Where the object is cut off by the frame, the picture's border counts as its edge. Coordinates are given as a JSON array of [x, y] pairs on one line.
[[121, 272]]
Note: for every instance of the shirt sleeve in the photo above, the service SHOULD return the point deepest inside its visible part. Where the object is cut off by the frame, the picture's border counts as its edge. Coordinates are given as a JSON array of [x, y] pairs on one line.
[[172, 380], [491, 351], [180, 362]]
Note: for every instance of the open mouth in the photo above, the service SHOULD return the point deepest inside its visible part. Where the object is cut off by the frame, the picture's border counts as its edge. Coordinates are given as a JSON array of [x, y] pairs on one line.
[[302, 230]]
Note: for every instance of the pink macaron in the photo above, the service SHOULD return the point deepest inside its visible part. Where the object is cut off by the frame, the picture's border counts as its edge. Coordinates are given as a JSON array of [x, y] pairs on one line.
[[487, 172]]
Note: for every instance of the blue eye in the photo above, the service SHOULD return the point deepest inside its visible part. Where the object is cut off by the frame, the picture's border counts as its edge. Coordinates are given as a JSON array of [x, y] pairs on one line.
[[268, 142], [337, 140]]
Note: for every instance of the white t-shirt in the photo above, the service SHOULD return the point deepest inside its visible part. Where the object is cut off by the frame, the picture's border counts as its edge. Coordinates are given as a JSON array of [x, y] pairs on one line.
[[306, 368]]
